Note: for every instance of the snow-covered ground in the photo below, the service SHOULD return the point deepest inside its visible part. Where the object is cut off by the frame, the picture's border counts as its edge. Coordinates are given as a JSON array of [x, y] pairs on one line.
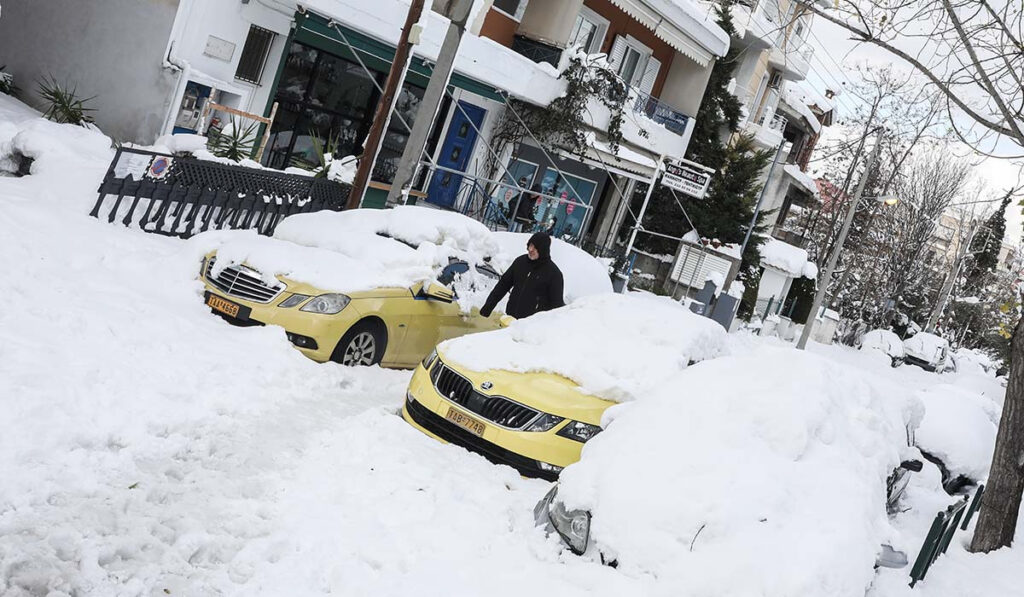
[[148, 448]]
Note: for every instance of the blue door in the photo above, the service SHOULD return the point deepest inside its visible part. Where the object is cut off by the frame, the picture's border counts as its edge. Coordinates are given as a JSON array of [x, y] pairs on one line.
[[455, 153]]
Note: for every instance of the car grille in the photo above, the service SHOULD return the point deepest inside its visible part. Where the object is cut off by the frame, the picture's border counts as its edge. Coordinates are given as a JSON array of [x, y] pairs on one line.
[[495, 409], [243, 282], [452, 433]]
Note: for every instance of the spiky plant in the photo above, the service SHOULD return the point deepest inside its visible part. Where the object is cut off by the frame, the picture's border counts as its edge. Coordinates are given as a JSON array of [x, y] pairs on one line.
[[233, 141], [63, 103], [7, 85]]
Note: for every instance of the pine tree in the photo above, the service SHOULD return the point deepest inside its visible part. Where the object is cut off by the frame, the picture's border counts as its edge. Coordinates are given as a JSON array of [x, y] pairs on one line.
[[728, 207], [986, 245]]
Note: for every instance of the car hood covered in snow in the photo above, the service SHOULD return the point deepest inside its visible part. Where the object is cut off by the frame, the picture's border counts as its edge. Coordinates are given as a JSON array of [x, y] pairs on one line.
[[740, 477], [617, 347]]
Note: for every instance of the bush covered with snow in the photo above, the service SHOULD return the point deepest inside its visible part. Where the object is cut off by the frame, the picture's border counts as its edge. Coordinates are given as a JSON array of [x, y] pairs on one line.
[[618, 347], [740, 477], [884, 341], [973, 361]]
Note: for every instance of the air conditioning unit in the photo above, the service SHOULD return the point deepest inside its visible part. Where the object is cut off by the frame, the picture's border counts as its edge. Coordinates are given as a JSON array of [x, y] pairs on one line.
[[775, 81]]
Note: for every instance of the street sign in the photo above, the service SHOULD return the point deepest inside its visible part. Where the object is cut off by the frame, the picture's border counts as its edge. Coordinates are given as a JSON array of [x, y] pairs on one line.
[[688, 177]]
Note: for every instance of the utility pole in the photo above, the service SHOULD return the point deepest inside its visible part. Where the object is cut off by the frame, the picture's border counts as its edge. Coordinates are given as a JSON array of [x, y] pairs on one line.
[[947, 286], [381, 117], [819, 296], [458, 12]]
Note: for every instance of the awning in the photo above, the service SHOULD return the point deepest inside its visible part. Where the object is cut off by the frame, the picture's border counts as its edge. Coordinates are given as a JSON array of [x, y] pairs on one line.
[[629, 162], [682, 25]]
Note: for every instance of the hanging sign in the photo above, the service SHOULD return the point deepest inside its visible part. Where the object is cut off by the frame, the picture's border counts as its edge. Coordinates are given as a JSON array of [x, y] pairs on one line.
[[159, 166], [686, 176]]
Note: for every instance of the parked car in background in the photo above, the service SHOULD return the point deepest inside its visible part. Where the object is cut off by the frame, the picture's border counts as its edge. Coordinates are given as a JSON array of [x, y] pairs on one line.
[[885, 342], [532, 395], [358, 287], [927, 351], [738, 460]]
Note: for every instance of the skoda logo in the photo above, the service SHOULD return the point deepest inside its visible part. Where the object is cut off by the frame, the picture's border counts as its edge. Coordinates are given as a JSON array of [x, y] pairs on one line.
[[486, 385]]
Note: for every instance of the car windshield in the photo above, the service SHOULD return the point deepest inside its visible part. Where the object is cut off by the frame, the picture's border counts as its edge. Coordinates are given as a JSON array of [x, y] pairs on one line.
[[447, 275]]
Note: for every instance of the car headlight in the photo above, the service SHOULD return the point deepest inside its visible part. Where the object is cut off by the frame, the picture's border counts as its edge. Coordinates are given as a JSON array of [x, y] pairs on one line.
[[544, 423], [572, 525], [578, 431], [293, 300], [327, 304], [429, 361]]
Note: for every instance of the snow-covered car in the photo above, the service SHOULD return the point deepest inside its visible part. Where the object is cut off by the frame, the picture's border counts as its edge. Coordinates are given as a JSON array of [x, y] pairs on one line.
[[358, 287], [754, 474], [531, 395], [885, 342], [926, 350]]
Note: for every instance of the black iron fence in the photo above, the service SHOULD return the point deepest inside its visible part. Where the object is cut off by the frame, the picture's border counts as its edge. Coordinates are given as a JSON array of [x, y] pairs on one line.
[[183, 196]]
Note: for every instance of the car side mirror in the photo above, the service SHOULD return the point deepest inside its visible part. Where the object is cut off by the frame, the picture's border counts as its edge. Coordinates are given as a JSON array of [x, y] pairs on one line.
[[914, 466], [437, 292]]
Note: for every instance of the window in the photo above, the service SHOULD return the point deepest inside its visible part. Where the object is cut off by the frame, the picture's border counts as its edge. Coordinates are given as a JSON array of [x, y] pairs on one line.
[[333, 99], [254, 54], [630, 59], [512, 8], [588, 32]]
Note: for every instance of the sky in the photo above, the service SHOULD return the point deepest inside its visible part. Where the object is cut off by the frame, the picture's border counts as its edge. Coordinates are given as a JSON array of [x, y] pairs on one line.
[[833, 63]]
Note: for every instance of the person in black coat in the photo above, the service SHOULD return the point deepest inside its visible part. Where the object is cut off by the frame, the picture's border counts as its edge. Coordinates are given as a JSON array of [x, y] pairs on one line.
[[524, 210], [534, 279]]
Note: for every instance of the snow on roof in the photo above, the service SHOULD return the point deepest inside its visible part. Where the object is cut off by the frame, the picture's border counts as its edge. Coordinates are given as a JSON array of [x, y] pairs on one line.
[[696, 22], [583, 274], [802, 178], [773, 462], [713, 245], [346, 252], [786, 257], [797, 97], [619, 347], [479, 58]]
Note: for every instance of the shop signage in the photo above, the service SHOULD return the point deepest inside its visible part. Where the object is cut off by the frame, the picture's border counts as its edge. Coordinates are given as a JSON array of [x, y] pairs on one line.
[[689, 177]]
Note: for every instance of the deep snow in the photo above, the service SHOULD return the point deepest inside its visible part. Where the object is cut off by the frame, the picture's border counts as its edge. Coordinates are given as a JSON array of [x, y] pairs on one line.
[[149, 448]]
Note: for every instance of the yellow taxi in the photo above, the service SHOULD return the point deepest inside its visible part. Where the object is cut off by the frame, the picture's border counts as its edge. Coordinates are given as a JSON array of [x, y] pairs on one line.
[[535, 423], [393, 327], [358, 287]]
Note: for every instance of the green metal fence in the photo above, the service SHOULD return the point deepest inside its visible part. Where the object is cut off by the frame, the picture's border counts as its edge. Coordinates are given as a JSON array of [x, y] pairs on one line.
[[941, 533]]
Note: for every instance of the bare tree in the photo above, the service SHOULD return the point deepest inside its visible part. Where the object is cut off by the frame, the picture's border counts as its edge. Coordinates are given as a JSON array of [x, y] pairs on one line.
[[971, 51]]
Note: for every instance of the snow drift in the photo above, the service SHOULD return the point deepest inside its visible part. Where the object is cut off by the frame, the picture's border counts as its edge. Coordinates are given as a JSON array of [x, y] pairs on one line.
[[741, 477], [618, 347]]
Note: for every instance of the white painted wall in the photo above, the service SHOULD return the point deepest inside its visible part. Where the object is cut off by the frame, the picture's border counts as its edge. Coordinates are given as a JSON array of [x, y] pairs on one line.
[[198, 20], [774, 283]]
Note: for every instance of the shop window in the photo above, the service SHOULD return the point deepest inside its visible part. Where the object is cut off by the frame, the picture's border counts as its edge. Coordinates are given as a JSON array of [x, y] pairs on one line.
[[254, 54]]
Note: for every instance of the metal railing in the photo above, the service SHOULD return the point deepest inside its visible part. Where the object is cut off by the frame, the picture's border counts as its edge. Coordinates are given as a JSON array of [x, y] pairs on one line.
[[941, 533], [660, 112], [537, 51], [183, 196], [778, 122]]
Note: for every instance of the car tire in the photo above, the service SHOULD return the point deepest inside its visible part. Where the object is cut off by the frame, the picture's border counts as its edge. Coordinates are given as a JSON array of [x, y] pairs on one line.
[[363, 345]]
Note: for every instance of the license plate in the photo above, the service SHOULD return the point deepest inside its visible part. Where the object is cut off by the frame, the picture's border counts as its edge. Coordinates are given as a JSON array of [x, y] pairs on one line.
[[224, 306], [465, 421]]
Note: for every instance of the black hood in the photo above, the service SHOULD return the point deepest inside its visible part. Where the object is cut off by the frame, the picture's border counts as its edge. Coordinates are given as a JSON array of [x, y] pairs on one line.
[[542, 242]]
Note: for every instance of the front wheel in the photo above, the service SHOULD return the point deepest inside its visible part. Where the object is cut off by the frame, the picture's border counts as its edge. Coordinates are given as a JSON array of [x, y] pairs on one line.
[[362, 346]]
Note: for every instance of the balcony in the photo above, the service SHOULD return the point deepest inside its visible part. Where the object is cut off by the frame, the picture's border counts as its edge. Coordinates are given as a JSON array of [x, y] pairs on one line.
[[661, 113], [793, 59], [537, 51], [649, 123], [768, 129]]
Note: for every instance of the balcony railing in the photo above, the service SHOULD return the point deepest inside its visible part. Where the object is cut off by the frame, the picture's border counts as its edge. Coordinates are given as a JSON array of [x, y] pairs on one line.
[[537, 51], [660, 112], [778, 122]]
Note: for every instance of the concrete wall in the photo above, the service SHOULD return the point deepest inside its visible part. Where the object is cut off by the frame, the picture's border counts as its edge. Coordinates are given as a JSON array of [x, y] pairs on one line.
[[550, 21], [229, 22], [685, 84], [111, 49]]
